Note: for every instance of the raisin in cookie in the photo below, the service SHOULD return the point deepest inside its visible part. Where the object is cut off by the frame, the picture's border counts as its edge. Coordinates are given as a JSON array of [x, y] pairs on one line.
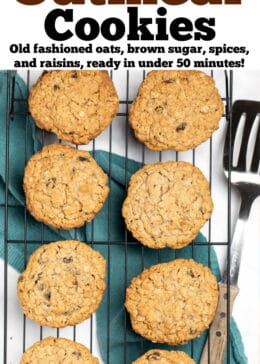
[[164, 357], [63, 283], [176, 110], [167, 203], [64, 187], [58, 350], [172, 302], [76, 105]]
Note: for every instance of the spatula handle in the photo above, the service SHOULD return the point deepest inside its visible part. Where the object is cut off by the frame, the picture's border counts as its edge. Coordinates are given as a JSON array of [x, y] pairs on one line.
[[218, 328]]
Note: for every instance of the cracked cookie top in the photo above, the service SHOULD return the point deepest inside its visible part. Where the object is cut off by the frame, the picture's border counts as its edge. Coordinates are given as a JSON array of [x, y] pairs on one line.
[[76, 105], [63, 283], [64, 187], [167, 203], [176, 110], [157, 356], [172, 302], [58, 350]]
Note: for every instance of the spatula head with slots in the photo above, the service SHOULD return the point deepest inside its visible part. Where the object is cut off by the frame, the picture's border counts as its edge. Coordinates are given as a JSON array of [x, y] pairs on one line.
[[245, 173]]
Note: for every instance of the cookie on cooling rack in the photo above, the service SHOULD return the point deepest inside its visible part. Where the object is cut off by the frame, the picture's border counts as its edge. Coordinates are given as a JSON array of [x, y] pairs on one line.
[[58, 350], [157, 356], [64, 187], [63, 283], [167, 203], [176, 110], [172, 302], [76, 105]]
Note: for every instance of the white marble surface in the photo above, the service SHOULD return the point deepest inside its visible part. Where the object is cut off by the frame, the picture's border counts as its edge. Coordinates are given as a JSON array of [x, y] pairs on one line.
[[247, 308]]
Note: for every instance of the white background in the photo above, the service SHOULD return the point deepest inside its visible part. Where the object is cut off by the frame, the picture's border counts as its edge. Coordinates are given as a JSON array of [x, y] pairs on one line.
[[236, 25]]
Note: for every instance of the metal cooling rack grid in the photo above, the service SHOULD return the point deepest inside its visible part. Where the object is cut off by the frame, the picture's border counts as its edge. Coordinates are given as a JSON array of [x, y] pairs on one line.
[[119, 133]]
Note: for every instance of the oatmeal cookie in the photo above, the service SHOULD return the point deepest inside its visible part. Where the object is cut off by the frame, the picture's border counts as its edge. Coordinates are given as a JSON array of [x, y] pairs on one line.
[[172, 302], [63, 283], [167, 203], [64, 187], [164, 357], [58, 350], [176, 110], [76, 105]]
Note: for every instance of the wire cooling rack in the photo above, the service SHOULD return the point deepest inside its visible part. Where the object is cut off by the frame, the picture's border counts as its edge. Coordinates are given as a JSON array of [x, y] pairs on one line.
[[118, 138]]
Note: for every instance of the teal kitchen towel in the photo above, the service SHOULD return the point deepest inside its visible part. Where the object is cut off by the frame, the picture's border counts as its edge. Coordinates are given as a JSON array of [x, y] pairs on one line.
[[19, 232]]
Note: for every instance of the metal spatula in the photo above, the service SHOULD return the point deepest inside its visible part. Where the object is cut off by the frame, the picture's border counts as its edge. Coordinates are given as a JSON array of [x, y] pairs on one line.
[[244, 175]]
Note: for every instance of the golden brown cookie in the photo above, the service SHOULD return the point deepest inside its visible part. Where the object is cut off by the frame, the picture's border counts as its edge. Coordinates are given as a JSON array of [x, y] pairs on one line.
[[172, 302], [76, 105], [64, 187], [63, 283], [167, 203], [176, 110], [156, 356], [58, 350]]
